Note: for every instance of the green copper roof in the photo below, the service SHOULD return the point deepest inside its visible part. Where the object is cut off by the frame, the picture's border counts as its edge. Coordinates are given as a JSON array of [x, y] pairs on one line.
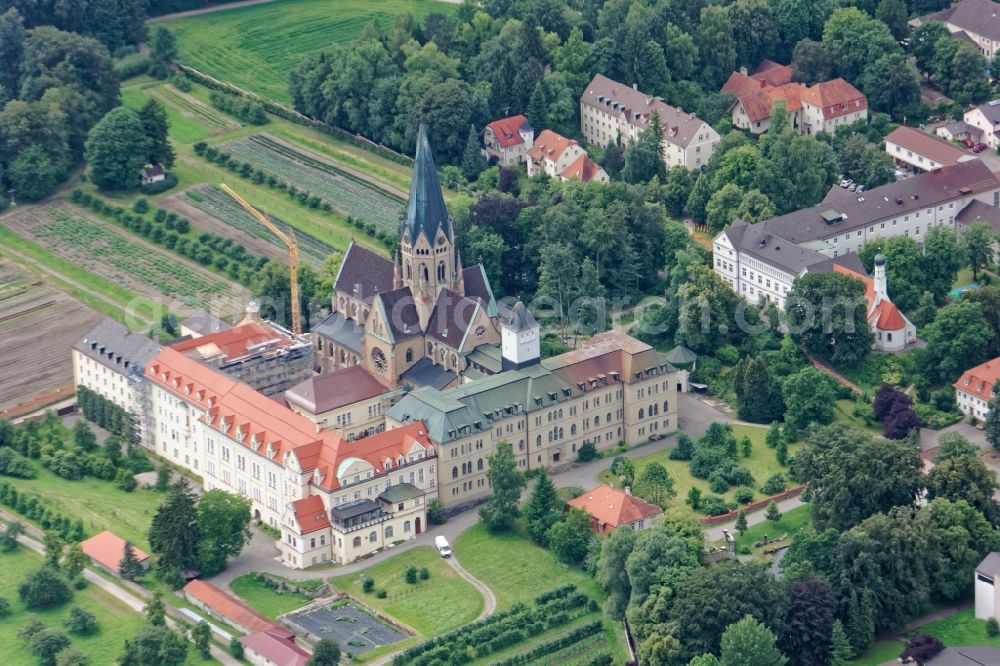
[[426, 211]]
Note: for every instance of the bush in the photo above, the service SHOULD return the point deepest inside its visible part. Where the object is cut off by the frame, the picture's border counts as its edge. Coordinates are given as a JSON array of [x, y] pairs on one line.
[[424, 573], [131, 65], [436, 513], [411, 575], [587, 452], [744, 495], [684, 449], [4, 607], [46, 644], [992, 628], [141, 205], [382, 594], [170, 181], [236, 647], [368, 585], [774, 485], [247, 110], [43, 588], [80, 621], [717, 483], [714, 505]]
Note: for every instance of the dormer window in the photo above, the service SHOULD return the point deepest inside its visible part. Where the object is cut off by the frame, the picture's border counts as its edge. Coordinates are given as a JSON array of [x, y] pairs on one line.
[[388, 463]]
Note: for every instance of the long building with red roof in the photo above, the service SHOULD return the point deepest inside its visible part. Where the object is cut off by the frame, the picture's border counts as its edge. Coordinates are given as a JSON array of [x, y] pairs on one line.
[[244, 442], [974, 389]]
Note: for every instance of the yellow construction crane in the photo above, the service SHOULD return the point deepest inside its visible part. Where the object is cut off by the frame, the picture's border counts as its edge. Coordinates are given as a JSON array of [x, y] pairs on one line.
[[293, 253]]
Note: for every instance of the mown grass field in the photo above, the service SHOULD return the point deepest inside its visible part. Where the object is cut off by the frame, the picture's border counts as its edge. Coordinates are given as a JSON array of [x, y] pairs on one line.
[[443, 602], [256, 47], [761, 463], [263, 599]]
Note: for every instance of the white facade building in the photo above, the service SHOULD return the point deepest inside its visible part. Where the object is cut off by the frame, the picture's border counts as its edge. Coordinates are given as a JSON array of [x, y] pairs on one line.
[[974, 389]]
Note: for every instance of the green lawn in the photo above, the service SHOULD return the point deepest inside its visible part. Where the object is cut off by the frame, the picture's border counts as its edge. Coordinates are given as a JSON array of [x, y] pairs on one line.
[[880, 653], [761, 463], [441, 603], [790, 523], [101, 504], [256, 47], [117, 622], [263, 599], [961, 629], [182, 129]]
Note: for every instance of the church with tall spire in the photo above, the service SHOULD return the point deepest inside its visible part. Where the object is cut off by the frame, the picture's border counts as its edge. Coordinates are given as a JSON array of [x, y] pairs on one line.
[[421, 318]]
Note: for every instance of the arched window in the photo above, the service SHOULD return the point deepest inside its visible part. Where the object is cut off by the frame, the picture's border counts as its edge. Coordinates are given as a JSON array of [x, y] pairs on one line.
[[454, 472], [538, 440], [425, 272], [440, 271], [409, 271], [479, 465], [406, 527], [357, 542], [608, 418], [372, 537], [550, 435], [388, 531], [642, 413], [409, 356], [560, 433], [572, 430], [665, 406]]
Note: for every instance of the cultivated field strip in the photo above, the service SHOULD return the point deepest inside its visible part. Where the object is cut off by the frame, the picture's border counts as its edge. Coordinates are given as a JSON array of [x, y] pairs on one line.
[[194, 108], [346, 192], [110, 253], [221, 206]]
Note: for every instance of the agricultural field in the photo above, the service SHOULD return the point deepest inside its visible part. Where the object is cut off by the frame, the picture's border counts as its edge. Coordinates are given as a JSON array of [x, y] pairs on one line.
[[182, 129], [35, 316], [347, 192], [127, 261], [220, 207], [255, 47]]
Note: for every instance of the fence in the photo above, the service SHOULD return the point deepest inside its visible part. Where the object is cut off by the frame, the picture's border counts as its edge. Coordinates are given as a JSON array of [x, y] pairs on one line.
[[753, 506]]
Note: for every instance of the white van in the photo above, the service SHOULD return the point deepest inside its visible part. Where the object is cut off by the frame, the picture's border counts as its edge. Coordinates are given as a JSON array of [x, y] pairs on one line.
[[444, 550]]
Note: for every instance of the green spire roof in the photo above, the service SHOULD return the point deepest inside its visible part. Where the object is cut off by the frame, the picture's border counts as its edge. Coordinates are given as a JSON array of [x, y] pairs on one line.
[[426, 210]]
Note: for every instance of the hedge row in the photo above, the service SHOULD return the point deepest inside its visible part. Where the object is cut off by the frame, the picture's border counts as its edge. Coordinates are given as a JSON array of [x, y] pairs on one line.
[[299, 119], [539, 651], [249, 111], [32, 507], [98, 409]]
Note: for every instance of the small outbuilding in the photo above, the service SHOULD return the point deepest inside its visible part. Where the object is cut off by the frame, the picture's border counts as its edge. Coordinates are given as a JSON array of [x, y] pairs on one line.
[[225, 607], [107, 549], [610, 509], [987, 599], [273, 647], [153, 173]]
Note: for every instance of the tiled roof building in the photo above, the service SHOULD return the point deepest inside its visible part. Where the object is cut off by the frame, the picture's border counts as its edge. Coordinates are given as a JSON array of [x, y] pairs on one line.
[[974, 389], [508, 140], [610, 509]]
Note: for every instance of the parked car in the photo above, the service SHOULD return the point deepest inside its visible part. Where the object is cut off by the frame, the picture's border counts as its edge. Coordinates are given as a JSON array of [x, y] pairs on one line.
[[852, 188], [443, 549], [980, 147], [844, 182], [969, 143]]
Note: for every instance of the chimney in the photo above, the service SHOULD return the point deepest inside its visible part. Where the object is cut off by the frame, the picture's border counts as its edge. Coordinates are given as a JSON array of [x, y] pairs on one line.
[[763, 84], [628, 490], [635, 86]]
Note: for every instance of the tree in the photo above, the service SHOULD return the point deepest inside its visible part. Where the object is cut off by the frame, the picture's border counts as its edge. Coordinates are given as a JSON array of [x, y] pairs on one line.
[[54, 546], [977, 243], [841, 651], [716, 45], [506, 482], [156, 613], [224, 525], [941, 261], [810, 396], [894, 14], [921, 649], [694, 498], [74, 561], [473, 161], [754, 207], [236, 647], [644, 157], [116, 149], [741, 522], [558, 272], [70, 657], [923, 42], [805, 634], [656, 485], [129, 568], [746, 446], [570, 538], [811, 62], [754, 31], [827, 315], [624, 470], [174, 533], [162, 51], [963, 538], [722, 206], [84, 437], [202, 637], [46, 644], [773, 514], [8, 539], [967, 478], [33, 174], [750, 643], [838, 463], [154, 121], [326, 653], [154, 644], [80, 621], [958, 338], [43, 588], [611, 573], [854, 39], [162, 478], [661, 557], [952, 445], [758, 395], [542, 510]]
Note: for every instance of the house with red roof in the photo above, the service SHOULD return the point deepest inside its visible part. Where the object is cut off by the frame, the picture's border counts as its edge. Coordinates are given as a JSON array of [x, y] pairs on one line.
[[273, 647], [351, 401], [831, 104], [893, 331], [563, 159], [507, 141], [610, 509], [106, 550], [974, 389]]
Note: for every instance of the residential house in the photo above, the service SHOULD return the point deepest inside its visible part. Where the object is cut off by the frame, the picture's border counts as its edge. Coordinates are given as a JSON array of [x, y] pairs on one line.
[[106, 550], [584, 170], [959, 130], [553, 154], [752, 111], [986, 119], [974, 21], [986, 583], [917, 151], [974, 389], [610, 509], [830, 104], [612, 111], [760, 261], [273, 647], [507, 141], [350, 401]]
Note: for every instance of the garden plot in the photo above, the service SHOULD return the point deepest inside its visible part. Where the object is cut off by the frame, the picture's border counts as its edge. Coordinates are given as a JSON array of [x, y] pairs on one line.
[[219, 206], [355, 630], [347, 192], [136, 265], [36, 317], [193, 108]]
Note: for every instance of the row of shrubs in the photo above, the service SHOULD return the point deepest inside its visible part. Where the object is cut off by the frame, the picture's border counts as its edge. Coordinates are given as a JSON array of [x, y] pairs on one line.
[[33, 508], [98, 409], [246, 110], [539, 651], [302, 197], [209, 250], [497, 632], [299, 119]]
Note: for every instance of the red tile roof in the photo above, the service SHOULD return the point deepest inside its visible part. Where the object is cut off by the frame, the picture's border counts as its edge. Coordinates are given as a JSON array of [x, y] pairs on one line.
[[740, 84], [613, 508], [887, 317], [227, 606], [107, 549], [549, 145], [260, 423], [773, 73], [832, 96], [583, 169], [979, 380], [508, 130], [277, 646], [759, 104], [311, 514], [233, 343]]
